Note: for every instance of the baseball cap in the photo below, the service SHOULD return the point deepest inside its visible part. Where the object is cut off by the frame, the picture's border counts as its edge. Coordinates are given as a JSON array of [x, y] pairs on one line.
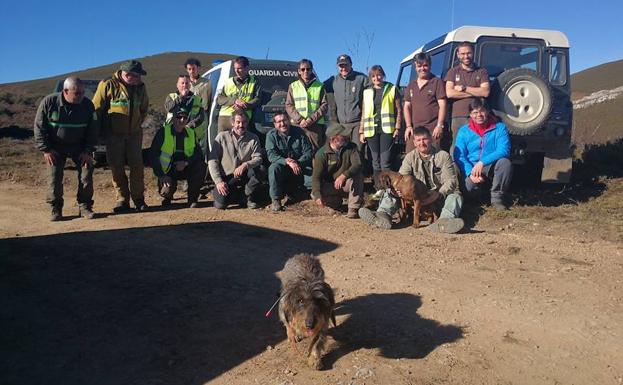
[[133, 66], [344, 59]]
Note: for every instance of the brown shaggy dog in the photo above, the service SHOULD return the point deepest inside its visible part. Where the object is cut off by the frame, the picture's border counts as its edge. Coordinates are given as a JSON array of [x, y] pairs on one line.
[[306, 305], [413, 192]]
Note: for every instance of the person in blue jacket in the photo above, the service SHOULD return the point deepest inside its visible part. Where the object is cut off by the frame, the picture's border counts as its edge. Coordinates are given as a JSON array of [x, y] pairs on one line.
[[482, 152]]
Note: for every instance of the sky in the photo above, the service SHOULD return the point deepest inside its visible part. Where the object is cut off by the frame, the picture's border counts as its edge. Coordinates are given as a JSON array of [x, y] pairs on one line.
[[45, 38]]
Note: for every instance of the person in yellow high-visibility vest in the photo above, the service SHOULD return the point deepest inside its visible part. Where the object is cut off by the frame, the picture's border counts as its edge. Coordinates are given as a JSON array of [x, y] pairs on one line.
[[380, 120], [240, 93], [185, 98], [176, 155], [306, 104]]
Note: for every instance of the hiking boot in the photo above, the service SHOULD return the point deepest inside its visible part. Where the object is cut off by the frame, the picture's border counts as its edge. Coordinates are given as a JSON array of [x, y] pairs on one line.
[[57, 214], [121, 207], [277, 206], [447, 225], [140, 205], [498, 205], [86, 212], [377, 219], [352, 214], [166, 202], [251, 204]]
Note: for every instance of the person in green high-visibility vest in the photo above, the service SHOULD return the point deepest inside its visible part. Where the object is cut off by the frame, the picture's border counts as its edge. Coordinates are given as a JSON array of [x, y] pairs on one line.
[[240, 93], [185, 98], [380, 121], [176, 155], [66, 126], [306, 104]]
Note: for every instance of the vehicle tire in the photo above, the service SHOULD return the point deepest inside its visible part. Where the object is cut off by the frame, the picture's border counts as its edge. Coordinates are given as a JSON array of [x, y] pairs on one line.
[[522, 99]]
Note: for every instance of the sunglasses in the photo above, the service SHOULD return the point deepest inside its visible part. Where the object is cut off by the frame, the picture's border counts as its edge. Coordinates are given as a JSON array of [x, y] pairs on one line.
[[305, 69]]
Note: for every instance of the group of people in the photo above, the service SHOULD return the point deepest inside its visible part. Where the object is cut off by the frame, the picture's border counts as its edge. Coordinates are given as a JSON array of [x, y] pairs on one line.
[[319, 142]]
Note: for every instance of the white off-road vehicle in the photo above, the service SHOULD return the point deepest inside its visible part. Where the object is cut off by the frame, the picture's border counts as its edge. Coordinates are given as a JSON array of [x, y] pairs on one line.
[[530, 89]]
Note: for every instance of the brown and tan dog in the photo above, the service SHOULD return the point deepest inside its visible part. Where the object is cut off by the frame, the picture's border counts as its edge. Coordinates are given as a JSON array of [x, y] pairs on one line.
[[306, 305], [413, 192]]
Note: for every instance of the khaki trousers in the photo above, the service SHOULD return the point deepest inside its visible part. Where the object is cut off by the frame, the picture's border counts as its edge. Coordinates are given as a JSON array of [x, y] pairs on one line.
[[122, 150], [353, 188]]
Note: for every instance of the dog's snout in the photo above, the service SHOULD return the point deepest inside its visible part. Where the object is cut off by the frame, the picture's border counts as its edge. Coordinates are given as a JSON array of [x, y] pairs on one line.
[[310, 322]]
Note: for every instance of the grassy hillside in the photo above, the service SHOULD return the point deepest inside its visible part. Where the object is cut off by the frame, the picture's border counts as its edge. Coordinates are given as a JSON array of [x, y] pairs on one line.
[[18, 101], [602, 77]]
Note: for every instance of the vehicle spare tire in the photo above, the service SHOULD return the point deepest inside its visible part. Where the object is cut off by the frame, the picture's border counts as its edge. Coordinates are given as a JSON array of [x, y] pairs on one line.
[[522, 99]]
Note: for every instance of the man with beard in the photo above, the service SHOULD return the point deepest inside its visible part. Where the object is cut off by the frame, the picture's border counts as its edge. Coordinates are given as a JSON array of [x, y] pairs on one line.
[[235, 165], [465, 82]]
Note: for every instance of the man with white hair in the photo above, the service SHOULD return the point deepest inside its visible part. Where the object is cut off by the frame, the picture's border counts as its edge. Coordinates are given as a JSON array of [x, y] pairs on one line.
[[66, 126]]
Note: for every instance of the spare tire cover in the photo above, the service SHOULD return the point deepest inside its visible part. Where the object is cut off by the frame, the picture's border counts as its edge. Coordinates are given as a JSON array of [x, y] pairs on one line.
[[522, 99]]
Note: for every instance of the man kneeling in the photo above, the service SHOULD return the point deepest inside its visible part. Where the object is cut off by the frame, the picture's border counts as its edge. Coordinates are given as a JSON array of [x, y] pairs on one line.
[[289, 152], [175, 155], [337, 172], [435, 169], [236, 165]]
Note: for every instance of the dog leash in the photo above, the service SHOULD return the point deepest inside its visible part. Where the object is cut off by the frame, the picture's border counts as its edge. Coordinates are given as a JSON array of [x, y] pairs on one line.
[[275, 304]]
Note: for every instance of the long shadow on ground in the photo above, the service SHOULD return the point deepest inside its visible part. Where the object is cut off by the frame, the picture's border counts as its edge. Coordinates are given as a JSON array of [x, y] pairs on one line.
[[389, 323], [156, 305]]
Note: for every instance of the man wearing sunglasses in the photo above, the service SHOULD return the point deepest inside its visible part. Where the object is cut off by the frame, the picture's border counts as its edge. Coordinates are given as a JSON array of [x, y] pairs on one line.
[[306, 104]]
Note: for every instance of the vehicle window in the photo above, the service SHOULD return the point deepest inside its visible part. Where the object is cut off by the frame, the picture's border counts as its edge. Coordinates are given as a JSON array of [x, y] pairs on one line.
[[498, 56], [437, 61], [558, 68], [405, 76]]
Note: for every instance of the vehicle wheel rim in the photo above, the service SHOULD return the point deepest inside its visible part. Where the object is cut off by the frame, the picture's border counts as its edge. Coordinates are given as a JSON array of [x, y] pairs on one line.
[[524, 101]]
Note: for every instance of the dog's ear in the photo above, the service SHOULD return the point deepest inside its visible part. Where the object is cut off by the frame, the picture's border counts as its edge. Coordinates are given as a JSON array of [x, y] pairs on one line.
[[323, 292], [385, 180]]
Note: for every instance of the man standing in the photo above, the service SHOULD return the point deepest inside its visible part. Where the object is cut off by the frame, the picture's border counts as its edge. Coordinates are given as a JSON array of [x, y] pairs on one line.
[[434, 168], [66, 126], [464, 83], [289, 152], [121, 104], [240, 93], [235, 162], [345, 95], [175, 155], [425, 102], [482, 153], [306, 104], [337, 172], [187, 100], [202, 88]]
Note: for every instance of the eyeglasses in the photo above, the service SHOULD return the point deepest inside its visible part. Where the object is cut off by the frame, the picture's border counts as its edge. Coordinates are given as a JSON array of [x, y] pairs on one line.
[[305, 69]]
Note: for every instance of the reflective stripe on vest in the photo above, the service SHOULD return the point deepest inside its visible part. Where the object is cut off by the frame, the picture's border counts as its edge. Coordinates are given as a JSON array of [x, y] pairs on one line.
[[197, 101], [388, 110], [168, 146], [307, 101], [244, 93]]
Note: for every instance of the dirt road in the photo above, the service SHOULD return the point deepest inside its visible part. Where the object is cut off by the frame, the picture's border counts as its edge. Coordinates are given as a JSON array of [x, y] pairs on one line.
[[178, 297]]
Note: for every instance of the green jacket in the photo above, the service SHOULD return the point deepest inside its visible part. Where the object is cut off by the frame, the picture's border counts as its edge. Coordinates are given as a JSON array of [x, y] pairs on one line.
[[121, 109], [328, 165]]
